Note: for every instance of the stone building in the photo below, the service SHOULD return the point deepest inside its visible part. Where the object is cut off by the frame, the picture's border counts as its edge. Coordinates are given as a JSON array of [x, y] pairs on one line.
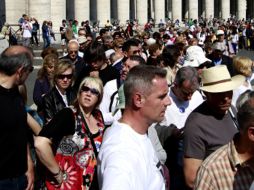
[[122, 10]]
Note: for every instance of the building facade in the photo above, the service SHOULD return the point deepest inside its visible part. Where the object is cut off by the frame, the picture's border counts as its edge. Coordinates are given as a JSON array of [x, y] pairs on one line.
[[122, 10]]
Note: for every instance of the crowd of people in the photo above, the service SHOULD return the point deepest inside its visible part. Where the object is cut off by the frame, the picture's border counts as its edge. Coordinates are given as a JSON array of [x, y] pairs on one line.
[[130, 108]]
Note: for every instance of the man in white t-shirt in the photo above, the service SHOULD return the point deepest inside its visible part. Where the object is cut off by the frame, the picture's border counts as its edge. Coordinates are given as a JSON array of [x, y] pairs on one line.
[[127, 159]]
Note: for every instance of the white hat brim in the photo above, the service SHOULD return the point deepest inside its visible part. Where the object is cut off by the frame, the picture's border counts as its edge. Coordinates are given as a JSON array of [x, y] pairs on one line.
[[235, 82]]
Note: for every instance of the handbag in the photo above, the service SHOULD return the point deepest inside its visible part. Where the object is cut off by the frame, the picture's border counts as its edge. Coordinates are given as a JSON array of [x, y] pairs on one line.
[[78, 166]]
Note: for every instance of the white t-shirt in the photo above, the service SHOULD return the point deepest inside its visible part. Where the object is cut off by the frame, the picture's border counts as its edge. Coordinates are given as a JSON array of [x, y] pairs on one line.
[[27, 29], [109, 89], [127, 161], [178, 111]]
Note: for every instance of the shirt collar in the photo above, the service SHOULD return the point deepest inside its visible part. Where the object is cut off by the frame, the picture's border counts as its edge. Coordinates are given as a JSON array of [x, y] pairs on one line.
[[234, 159]]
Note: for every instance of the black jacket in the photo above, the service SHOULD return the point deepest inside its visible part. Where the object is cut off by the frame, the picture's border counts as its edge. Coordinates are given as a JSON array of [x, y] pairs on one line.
[[53, 102], [226, 60]]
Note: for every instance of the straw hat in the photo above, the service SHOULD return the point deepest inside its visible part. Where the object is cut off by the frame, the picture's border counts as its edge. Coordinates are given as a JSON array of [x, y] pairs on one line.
[[195, 56], [217, 79]]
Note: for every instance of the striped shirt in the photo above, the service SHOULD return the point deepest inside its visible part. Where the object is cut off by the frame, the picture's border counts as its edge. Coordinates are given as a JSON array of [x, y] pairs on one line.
[[223, 170]]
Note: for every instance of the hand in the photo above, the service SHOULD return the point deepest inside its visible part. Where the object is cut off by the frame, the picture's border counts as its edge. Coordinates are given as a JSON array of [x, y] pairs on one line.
[[59, 177], [30, 177]]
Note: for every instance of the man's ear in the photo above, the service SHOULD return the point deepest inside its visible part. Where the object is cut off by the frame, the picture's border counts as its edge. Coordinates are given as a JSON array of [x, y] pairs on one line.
[[19, 71], [125, 54], [251, 133], [138, 100]]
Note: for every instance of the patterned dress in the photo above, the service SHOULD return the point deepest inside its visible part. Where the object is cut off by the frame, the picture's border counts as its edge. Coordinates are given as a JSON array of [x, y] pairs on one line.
[[76, 156]]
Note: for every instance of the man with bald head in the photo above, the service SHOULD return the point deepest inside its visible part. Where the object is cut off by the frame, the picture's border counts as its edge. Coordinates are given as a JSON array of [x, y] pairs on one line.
[[74, 57], [16, 167]]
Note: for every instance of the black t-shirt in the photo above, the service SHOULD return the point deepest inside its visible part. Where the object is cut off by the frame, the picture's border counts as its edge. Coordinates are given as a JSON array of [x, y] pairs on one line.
[[62, 124], [107, 74], [62, 31], [204, 132], [13, 135]]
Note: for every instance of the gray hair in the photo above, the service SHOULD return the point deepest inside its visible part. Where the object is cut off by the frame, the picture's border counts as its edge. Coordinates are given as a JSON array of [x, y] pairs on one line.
[[140, 79], [187, 74], [245, 106]]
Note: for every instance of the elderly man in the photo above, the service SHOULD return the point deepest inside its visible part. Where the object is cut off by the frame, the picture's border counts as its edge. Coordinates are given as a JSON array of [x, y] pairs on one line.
[[185, 98], [219, 58], [16, 167], [74, 57], [110, 96], [127, 159], [212, 124], [232, 166]]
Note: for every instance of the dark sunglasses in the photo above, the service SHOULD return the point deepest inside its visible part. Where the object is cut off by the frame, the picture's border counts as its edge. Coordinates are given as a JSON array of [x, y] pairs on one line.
[[71, 52], [69, 76], [92, 90]]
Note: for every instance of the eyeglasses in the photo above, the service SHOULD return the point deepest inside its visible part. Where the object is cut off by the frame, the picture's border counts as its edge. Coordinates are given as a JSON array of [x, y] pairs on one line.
[[71, 52], [92, 90], [69, 76]]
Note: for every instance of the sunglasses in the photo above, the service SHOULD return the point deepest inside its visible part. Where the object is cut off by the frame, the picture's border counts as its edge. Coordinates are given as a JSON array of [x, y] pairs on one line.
[[69, 76], [73, 52], [92, 90]]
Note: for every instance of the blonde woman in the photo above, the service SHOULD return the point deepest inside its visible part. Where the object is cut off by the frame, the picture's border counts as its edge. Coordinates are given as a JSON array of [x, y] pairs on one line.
[[43, 83], [76, 132], [243, 66], [62, 94]]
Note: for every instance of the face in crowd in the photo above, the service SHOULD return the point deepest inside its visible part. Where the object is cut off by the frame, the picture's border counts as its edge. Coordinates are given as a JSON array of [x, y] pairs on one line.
[[128, 64], [73, 48], [220, 102], [158, 99], [64, 80], [90, 93]]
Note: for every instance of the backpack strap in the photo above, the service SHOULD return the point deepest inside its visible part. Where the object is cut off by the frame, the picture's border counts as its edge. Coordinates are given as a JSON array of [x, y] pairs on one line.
[[118, 84], [231, 113]]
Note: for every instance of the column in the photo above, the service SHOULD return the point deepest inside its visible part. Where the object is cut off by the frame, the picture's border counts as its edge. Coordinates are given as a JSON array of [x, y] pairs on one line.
[[123, 10], [186, 8], [209, 9], [141, 11], [14, 10], [225, 9], [82, 10], [103, 11], [58, 13], [41, 10], [152, 8], [176, 10], [159, 10], [193, 9], [241, 9]]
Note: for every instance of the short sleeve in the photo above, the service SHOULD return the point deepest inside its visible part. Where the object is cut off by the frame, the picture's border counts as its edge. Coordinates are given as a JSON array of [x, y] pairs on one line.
[[194, 144], [62, 124]]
